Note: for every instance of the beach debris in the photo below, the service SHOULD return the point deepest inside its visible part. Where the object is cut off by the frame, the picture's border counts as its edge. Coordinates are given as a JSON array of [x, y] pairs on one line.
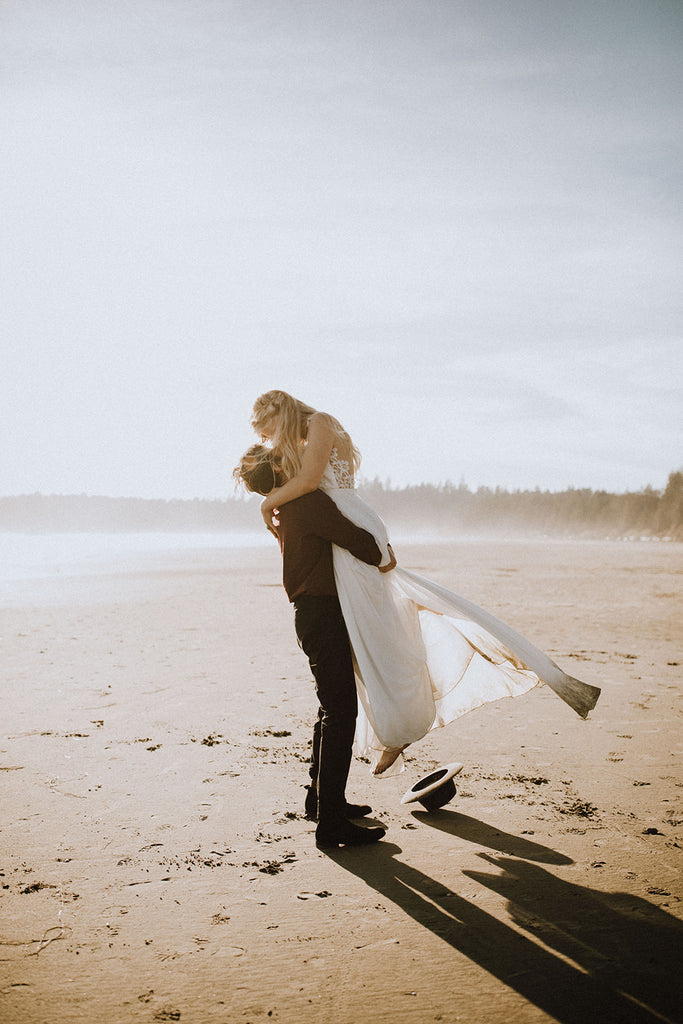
[[36, 887], [534, 780], [48, 937], [196, 859], [267, 837], [323, 894], [579, 807], [212, 740], [220, 918], [271, 867], [651, 832]]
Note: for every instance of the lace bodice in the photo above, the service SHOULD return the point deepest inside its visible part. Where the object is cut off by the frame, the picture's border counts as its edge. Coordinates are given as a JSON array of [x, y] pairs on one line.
[[338, 473]]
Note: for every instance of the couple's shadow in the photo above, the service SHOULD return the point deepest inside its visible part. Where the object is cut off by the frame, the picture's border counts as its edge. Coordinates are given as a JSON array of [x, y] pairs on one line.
[[475, 831], [627, 952]]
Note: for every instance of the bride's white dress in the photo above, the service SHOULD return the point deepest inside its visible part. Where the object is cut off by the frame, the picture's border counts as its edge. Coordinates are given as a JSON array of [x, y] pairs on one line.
[[423, 655]]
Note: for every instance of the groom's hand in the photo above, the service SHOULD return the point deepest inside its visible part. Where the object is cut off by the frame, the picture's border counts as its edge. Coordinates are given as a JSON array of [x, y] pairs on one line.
[[392, 564], [270, 517]]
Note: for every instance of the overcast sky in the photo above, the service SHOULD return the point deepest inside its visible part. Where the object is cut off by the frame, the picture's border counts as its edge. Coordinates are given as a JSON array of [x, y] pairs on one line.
[[454, 224]]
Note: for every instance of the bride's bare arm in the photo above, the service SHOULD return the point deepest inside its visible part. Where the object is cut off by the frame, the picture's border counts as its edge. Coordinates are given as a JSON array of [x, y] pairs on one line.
[[320, 443]]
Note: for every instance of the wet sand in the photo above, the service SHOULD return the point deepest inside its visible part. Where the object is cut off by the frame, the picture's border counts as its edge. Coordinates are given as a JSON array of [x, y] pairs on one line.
[[156, 864]]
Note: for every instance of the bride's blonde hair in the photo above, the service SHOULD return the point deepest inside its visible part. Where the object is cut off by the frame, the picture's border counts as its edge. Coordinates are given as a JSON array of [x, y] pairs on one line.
[[287, 418]]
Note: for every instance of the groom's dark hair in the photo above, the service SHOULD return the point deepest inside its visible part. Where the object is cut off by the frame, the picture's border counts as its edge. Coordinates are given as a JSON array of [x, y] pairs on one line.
[[258, 469]]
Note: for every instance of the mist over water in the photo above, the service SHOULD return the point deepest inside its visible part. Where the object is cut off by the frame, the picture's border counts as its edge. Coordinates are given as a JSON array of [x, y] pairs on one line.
[[49, 556]]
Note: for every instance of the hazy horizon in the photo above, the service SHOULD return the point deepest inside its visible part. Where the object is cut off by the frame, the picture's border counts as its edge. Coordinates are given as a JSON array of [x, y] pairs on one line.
[[454, 226], [362, 483]]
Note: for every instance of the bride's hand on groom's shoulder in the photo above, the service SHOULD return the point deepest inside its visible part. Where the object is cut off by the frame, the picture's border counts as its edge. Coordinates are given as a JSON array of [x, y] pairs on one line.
[[392, 564]]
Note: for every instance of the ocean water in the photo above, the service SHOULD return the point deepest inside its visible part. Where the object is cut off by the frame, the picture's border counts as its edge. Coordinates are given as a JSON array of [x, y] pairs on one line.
[[51, 556]]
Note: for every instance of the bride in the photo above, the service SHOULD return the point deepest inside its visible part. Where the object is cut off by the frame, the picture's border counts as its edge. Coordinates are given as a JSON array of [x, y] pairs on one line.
[[423, 655]]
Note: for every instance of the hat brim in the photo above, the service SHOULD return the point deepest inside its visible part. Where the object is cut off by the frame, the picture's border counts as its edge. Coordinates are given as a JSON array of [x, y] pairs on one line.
[[428, 786]]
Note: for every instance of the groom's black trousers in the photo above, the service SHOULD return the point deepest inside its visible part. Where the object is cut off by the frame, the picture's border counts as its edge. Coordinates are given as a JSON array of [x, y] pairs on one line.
[[323, 637]]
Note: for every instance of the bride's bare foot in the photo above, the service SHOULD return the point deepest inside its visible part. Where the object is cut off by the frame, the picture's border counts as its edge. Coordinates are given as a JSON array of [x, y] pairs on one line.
[[387, 758]]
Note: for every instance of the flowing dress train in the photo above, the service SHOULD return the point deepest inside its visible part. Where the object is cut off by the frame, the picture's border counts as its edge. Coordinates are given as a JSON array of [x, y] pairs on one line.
[[423, 655]]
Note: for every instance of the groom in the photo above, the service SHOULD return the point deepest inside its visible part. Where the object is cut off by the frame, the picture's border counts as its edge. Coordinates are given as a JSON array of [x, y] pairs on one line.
[[306, 529]]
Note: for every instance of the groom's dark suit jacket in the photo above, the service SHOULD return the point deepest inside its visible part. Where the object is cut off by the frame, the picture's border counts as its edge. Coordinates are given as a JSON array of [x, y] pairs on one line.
[[308, 526]]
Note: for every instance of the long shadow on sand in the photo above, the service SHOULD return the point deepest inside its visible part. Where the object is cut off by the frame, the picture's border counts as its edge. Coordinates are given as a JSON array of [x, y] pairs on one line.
[[475, 831], [625, 951]]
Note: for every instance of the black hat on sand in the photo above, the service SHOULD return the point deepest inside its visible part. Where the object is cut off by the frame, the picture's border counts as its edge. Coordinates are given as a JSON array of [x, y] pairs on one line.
[[436, 789]]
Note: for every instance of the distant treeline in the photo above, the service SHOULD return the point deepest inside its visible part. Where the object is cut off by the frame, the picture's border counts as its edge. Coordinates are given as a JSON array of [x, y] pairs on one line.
[[454, 510], [446, 510]]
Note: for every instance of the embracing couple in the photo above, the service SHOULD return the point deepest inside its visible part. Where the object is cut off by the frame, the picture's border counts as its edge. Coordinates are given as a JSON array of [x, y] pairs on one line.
[[393, 654]]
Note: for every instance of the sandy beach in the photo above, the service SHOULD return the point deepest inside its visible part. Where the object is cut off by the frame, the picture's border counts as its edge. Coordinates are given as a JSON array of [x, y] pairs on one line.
[[156, 864]]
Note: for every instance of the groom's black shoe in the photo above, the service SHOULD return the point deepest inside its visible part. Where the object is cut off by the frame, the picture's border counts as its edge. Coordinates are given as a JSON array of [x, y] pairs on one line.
[[352, 810], [345, 833]]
